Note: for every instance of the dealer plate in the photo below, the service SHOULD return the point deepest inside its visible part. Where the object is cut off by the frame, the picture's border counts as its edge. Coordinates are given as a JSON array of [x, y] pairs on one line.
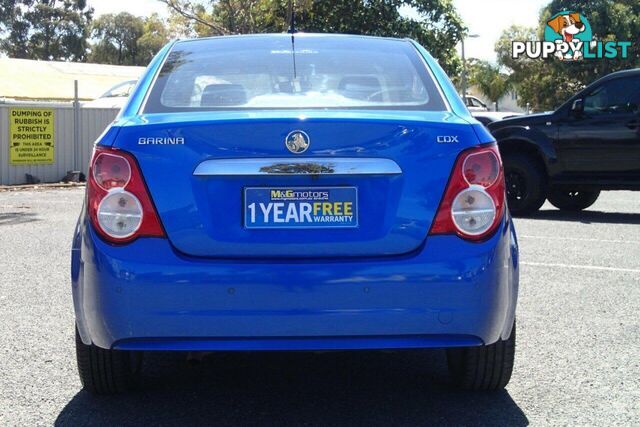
[[301, 207]]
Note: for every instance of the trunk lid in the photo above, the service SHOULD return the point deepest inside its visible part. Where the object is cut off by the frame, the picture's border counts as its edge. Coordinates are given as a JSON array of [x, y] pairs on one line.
[[203, 210]]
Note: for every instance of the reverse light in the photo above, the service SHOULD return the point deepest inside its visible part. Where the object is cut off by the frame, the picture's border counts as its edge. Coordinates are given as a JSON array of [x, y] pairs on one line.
[[120, 214], [473, 211], [118, 201], [473, 202]]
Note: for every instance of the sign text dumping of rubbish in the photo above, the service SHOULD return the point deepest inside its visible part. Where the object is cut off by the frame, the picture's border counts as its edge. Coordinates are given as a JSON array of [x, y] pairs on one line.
[[31, 136]]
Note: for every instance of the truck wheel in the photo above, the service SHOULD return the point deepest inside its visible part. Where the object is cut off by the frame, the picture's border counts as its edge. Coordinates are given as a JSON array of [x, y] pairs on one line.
[[483, 368], [568, 200], [526, 183], [106, 371]]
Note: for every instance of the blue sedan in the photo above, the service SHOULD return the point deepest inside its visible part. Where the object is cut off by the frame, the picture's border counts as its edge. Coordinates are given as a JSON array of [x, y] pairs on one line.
[[306, 192]]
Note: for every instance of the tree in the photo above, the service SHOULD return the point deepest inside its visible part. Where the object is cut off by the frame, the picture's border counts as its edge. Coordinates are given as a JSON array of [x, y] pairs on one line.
[[117, 37], [490, 81], [437, 25], [538, 80], [154, 36], [433, 23], [610, 20], [193, 23], [13, 29], [199, 21], [45, 29], [7, 12], [124, 39]]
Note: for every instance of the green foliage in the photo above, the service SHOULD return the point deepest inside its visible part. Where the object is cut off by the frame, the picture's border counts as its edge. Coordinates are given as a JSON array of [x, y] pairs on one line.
[[45, 29], [489, 80], [7, 12], [438, 26], [190, 26], [538, 80], [154, 36], [124, 39], [254, 16], [117, 37], [434, 23], [610, 20], [60, 29]]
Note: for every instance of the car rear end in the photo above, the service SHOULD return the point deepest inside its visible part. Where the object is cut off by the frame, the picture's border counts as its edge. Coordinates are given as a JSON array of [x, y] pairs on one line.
[[259, 194]]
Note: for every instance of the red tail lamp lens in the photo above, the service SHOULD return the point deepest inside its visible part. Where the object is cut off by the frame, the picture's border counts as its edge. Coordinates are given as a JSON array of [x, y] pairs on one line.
[[111, 171], [482, 168], [473, 202], [118, 201]]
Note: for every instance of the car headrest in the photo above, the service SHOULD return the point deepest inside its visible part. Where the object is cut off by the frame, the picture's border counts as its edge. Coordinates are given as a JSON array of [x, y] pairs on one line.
[[223, 94], [359, 87]]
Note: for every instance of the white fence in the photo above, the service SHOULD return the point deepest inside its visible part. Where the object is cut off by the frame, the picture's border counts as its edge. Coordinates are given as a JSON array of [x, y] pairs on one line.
[[71, 143]]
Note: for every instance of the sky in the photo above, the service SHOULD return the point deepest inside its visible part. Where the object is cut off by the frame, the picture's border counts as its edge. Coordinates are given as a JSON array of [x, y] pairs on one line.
[[486, 18]]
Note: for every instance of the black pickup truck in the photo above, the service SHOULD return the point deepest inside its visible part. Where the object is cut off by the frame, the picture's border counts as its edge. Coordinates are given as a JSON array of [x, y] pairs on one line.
[[591, 143]]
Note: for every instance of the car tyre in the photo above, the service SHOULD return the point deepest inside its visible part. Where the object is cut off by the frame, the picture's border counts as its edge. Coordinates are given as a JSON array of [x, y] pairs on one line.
[[526, 183], [568, 200], [483, 368], [104, 372]]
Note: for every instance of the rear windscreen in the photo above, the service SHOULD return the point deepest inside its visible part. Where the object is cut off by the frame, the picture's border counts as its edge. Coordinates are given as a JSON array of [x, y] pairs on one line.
[[313, 72]]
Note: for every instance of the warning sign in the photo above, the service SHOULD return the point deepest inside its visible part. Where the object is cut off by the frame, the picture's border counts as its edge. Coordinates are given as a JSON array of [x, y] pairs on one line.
[[31, 136]]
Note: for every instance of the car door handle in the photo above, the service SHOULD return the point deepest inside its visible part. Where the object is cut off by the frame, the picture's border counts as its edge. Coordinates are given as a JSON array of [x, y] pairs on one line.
[[633, 124]]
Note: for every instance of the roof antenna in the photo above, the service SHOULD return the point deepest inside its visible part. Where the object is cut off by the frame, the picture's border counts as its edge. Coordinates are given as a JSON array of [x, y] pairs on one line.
[[292, 17], [292, 31]]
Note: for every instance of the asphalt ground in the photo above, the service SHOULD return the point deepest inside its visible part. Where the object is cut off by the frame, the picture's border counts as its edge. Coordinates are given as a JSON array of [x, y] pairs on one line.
[[577, 360]]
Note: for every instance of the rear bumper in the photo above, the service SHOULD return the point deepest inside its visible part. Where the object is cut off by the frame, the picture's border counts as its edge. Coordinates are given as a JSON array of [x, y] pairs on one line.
[[146, 296]]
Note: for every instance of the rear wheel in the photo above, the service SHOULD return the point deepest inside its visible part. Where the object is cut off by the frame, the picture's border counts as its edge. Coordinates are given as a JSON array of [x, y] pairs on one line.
[[526, 183], [106, 371], [569, 200], [483, 368]]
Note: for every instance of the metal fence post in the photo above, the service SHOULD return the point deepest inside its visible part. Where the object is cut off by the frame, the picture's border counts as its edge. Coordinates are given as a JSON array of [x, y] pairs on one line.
[[76, 127]]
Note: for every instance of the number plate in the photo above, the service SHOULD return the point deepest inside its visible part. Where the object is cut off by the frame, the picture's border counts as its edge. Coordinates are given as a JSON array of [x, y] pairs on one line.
[[301, 207]]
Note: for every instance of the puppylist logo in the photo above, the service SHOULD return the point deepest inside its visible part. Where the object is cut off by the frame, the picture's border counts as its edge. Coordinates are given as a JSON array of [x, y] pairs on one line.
[[568, 37]]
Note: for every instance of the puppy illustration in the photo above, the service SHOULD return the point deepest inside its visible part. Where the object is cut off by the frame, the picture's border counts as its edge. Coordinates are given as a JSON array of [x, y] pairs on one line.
[[567, 26]]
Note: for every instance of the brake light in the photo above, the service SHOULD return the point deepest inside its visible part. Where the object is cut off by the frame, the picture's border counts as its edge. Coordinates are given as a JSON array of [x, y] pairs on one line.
[[111, 171], [473, 203], [118, 201]]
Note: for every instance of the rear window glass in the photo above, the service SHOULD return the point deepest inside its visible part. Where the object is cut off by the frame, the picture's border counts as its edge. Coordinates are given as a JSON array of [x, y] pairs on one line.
[[317, 72]]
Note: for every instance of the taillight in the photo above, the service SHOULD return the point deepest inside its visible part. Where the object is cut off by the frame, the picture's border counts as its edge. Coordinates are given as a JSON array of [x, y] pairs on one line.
[[473, 203], [118, 201]]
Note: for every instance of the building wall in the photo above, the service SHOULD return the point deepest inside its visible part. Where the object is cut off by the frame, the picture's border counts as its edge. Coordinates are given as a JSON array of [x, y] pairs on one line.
[[509, 102], [25, 79]]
